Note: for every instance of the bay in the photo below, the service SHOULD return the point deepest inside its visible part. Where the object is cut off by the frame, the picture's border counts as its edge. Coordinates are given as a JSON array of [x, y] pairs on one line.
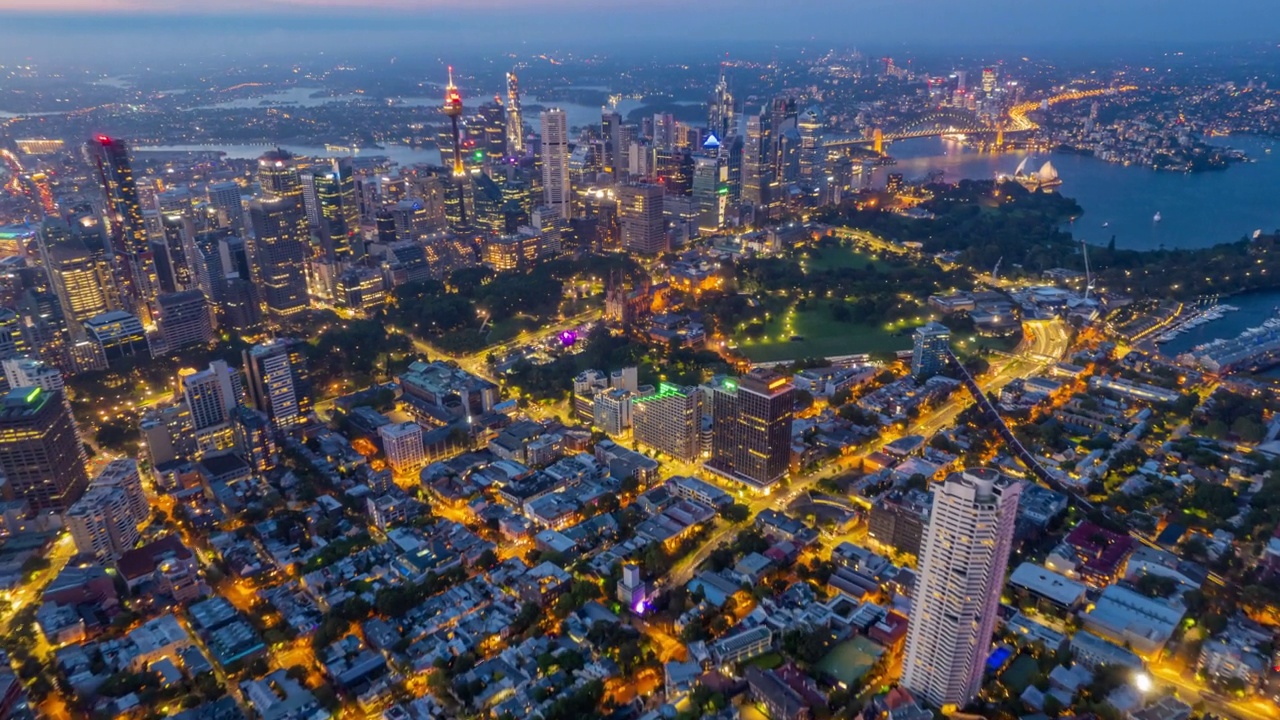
[[1197, 209]]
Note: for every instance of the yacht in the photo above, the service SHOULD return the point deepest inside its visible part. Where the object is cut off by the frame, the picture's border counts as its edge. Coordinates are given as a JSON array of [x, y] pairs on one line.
[[1157, 218]]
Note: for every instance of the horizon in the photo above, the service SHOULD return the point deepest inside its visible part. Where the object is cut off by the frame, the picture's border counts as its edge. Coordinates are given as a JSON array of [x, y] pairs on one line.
[[146, 30]]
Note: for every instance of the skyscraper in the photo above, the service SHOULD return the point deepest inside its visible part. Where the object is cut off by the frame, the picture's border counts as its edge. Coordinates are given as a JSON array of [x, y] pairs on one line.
[[128, 231], [751, 428], [759, 178], [338, 210], [610, 129], [184, 320], [644, 230], [669, 421], [962, 564], [277, 374], [515, 121], [720, 117], [931, 343], [556, 193], [710, 190], [40, 454], [279, 254], [494, 121], [79, 271], [811, 160], [225, 198], [278, 175]]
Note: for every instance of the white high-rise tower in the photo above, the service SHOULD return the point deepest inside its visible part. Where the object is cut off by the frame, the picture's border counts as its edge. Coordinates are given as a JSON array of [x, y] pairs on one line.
[[962, 565], [556, 193]]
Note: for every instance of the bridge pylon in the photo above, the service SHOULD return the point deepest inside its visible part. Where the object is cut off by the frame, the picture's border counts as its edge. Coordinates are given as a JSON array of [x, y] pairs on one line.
[[878, 141]]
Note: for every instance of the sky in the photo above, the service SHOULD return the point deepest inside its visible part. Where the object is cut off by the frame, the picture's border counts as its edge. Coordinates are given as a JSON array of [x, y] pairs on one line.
[[55, 30]]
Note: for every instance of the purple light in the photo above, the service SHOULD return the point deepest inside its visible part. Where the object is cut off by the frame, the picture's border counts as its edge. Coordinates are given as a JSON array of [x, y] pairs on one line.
[[641, 607], [568, 337]]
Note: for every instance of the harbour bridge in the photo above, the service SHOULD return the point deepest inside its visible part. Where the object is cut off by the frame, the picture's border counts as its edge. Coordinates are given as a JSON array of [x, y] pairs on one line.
[[950, 122]]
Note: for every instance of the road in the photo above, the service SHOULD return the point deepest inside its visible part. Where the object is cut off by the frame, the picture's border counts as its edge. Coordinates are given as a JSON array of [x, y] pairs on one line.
[[477, 363], [1190, 690], [1044, 343]]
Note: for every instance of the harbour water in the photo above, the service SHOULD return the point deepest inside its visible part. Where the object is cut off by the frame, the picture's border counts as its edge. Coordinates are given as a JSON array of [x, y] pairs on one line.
[[1254, 309], [1196, 209]]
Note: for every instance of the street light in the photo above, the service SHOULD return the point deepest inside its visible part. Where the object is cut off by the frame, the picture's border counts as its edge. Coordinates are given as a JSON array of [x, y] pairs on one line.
[[1142, 682]]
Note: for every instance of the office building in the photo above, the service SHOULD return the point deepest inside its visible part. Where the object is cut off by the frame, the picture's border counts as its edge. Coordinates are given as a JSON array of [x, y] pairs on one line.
[[710, 188], [962, 565], [809, 125], [278, 175], [79, 270], [556, 191], [184, 319], [931, 346], [402, 444], [751, 428], [13, 341], [225, 199], [758, 178], [279, 255], [127, 227], [361, 289], [669, 421], [644, 229], [515, 121], [337, 210], [117, 335], [720, 116], [173, 252], [41, 459], [278, 385]]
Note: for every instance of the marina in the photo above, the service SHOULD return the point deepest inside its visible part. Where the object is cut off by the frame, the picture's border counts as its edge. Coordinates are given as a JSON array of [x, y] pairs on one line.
[[1195, 320]]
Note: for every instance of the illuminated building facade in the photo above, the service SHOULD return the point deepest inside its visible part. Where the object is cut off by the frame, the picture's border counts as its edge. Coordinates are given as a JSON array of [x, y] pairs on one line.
[[556, 191], [40, 452], [184, 319], [515, 121], [278, 175], [79, 273], [279, 254], [278, 384], [128, 231], [963, 559], [751, 428], [643, 227], [669, 421]]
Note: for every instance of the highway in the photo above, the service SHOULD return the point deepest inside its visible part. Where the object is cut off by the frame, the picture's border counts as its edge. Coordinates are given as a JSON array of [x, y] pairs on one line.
[[1044, 342]]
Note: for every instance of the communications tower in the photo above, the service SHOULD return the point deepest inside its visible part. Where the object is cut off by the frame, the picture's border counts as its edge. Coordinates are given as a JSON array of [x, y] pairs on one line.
[[453, 108]]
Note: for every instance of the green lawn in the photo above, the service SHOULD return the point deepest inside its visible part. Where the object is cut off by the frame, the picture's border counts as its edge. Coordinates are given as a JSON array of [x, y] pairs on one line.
[[850, 660], [505, 330], [823, 336], [1020, 674], [836, 257], [768, 661]]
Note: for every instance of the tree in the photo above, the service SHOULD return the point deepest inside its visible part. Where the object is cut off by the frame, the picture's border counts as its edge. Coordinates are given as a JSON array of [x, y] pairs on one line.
[[735, 513]]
